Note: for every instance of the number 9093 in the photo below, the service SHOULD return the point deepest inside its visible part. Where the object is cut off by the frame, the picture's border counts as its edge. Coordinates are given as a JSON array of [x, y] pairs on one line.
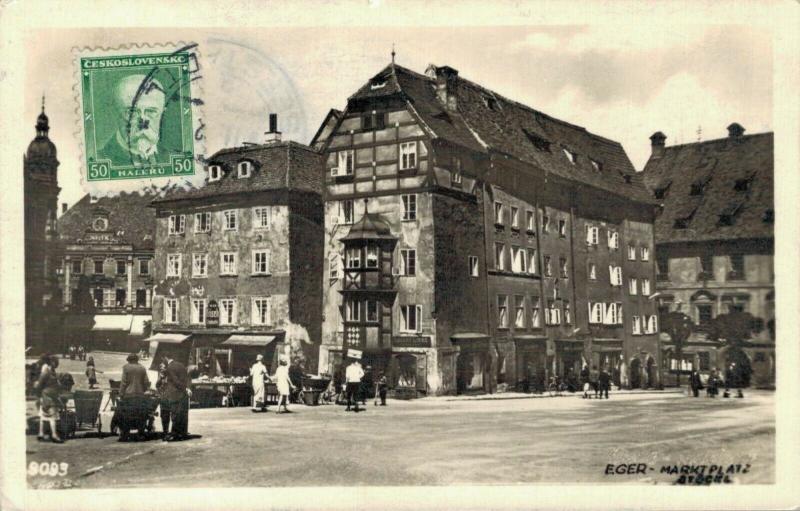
[[48, 468]]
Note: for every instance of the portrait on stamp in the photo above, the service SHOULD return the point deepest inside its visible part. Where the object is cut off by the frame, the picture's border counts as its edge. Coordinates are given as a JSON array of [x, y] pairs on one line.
[[137, 116]]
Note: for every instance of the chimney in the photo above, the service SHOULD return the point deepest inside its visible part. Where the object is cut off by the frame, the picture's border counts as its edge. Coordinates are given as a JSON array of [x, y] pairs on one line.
[[63, 207], [657, 143], [446, 83], [273, 135], [735, 130]]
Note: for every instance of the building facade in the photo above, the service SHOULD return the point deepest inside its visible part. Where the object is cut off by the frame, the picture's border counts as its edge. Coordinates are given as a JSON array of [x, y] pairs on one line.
[[715, 245], [40, 168], [474, 244], [238, 263], [105, 278]]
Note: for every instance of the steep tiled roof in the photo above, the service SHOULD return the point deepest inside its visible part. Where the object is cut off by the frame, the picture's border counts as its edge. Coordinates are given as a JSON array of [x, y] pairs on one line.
[[276, 165], [732, 180], [486, 121], [129, 219]]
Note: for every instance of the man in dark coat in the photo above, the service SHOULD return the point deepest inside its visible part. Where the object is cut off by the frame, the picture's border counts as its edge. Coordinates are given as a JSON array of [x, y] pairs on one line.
[[175, 401], [695, 383], [604, 382], [134, 378], [367, 386]]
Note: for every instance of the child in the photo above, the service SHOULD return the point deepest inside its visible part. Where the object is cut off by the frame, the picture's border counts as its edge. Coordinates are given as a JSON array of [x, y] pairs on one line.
[[382, 385], [91, 373]]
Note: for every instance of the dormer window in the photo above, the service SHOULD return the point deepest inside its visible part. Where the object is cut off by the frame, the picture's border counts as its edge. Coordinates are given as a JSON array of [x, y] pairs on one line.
[[698, 187], [537, 141], [214, 173], [572, 157], [377, 83], [596, 165], [742, 185], [244, 169], [490, 102], [661, 192]]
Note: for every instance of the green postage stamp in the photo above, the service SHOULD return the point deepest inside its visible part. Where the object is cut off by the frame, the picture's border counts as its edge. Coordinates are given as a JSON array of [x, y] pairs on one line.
[[137, 115]]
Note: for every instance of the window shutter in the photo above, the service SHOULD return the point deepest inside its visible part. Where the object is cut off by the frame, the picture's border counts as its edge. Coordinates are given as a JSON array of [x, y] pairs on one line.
[[588, 235], [619, 314], [591, 316], [611, 278]]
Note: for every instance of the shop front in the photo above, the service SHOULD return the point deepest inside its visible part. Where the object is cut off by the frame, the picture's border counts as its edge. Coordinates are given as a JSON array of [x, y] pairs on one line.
[[607, 354], [568, 361], [474, 363], [531, 357]]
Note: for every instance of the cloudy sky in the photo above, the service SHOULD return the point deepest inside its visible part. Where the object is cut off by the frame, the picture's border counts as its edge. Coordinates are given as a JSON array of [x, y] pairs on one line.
[[621, 82]]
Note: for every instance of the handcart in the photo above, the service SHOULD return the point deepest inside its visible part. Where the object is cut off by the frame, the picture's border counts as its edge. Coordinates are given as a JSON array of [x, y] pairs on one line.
[[136, 412], [86, 406]]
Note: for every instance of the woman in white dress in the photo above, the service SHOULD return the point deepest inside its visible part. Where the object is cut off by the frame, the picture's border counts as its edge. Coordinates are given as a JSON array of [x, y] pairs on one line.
[[285, 385], [258, 373]]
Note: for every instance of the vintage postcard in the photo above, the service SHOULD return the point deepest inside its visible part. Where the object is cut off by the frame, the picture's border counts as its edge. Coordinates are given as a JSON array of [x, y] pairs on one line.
[[399, 255]]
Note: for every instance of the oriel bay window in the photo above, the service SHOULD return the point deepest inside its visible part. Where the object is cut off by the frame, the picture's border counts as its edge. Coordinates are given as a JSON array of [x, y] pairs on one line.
[[372, 311]]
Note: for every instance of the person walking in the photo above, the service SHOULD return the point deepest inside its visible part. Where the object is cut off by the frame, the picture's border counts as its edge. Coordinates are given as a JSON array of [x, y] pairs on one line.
[[81, 353], [713, 384], [285, 385], [585, 375], [175, 401], [49, 404], [91, 373], [353, 375], [259, 376], [604, 382], [383, 384], [134, 380], [695, 383]]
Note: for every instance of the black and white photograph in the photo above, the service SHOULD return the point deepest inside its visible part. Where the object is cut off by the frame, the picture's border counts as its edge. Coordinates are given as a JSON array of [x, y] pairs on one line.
[[474, 254]]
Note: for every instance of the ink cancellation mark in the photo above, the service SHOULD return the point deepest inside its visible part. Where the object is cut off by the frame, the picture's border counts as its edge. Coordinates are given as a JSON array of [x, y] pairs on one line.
[[137, 115]]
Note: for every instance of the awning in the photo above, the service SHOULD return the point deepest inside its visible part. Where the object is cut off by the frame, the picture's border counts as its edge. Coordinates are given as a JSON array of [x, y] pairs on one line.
[[112, 322], [248, 340], [167, 338], [137, 324]]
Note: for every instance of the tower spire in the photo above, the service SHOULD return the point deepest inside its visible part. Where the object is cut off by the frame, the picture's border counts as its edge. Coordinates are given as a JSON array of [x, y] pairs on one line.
[[42, 102], [393, 53]]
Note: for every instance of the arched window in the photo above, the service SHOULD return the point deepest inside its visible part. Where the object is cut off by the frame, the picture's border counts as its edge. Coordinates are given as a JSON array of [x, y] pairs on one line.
[[245, 167]]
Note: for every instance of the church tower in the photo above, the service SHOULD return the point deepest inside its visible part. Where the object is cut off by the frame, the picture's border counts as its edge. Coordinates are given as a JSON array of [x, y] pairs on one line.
[[40, 166]]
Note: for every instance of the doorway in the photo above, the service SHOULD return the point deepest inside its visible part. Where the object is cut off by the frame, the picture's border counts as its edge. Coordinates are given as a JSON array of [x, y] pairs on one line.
[[636, 373]]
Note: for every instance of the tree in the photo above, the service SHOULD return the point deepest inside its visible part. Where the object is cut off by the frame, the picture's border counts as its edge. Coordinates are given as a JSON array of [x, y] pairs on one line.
[[679, 327], [734, 329]]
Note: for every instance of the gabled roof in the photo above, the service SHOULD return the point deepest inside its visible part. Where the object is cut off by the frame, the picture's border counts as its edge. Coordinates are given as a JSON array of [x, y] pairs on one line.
[[486, 121], [372, 226], [276, 166], [732, 180], [129, 219]]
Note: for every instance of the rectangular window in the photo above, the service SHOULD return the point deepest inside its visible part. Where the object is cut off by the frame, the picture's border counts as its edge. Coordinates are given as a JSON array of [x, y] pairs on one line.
[[144, 266], [372, 311], [141, 298], [562, 228], [260, 262], [177, 224], [548, 269], [592, 235], [353, 310], [198, 311], [514, 217], [346, 160], [545, 223], [636, 325], [77, 267], [612, 314], [372, 256], [347, 211], [227, 311], [410, 318], [98, 266], [704, 314], [707, 265], [200, 265], [519, 311], [410, 207], [613, 239], [121, 298], [260, 311], [615, 275], [108, 297], [567, 313], [536, 320], [553, 315], [353, 257], [530, 220], [631, 253], [518, 260], [261, 217], [662, 266], [596, 312], [737, 267], [122, 267], [474, 269], [170, 310], [499, 256], [231, 223], [227, 263], [173, 265], [645, 253], [592, 271], [202, 222], [563, 267], [646, 287], [408, 155], [502, 311], [498, 213], [408, 260], [633, 287], [652, 324], [531, 260]]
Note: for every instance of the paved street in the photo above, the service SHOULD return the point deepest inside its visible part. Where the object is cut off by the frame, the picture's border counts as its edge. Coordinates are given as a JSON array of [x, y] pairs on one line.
[[436, 441]]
